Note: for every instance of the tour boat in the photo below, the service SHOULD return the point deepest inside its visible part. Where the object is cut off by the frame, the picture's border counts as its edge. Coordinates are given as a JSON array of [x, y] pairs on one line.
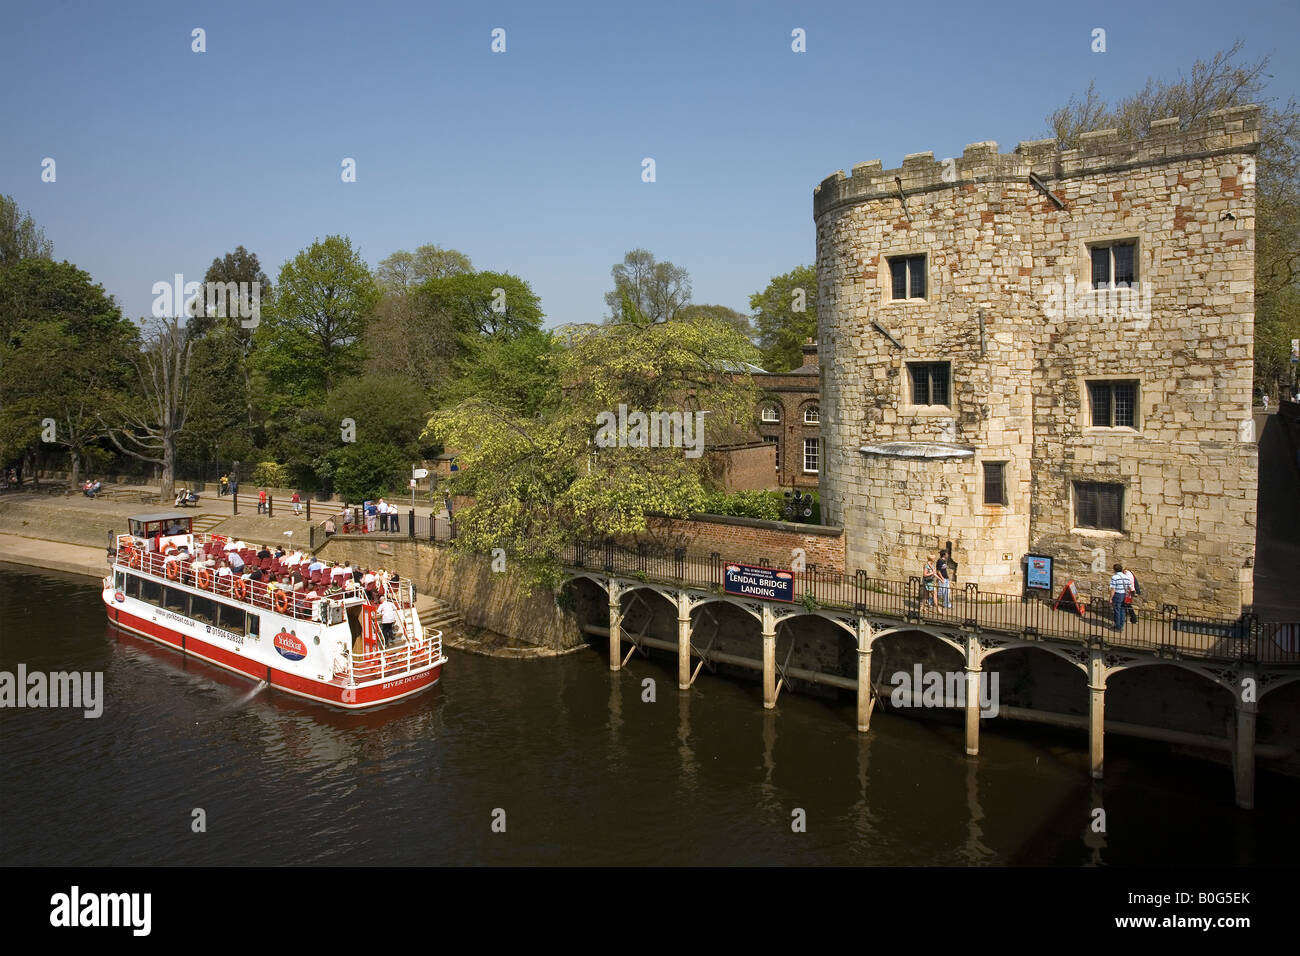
[[171, 585]]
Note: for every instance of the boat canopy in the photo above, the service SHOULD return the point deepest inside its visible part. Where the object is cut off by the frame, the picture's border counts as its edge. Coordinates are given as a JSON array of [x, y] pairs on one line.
[[160, 522]]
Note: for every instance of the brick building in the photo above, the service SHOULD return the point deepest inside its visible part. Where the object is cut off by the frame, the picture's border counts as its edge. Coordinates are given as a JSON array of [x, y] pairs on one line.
[[1047, 352], [789, 417]]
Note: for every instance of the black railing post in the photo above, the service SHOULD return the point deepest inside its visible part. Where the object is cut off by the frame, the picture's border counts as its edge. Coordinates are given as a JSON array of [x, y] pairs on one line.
[[309, 509], [679, 562], [609, 554], [412, 530], [234, 503], [270, 506], [715, 569]]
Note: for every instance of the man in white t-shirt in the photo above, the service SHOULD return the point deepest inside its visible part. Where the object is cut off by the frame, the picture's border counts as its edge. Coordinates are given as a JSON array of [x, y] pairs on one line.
[[387, 612]]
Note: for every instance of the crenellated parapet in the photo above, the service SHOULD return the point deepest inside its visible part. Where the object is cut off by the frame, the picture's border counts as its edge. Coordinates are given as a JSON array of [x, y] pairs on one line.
[[1233, 130]]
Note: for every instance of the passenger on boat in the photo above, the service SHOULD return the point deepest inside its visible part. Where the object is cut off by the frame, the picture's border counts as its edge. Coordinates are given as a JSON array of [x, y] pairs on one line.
[[236, 562], [316, 565], [279, 552], [387, 619], [264, 553]]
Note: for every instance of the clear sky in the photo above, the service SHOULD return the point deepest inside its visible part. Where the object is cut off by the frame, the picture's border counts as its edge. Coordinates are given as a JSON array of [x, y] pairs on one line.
[[530, 161]]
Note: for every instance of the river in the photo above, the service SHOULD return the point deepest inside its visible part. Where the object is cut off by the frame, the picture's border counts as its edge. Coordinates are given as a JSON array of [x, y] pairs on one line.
[[572, 761]]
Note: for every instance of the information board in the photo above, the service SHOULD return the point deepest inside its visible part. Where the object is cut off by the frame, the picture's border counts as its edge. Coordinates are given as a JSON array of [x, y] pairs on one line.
[[744, 580], [1038, 572]]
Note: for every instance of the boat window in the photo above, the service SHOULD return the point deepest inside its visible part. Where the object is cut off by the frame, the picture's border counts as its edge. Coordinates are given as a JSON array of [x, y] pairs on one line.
[[118, 580], [202, 609], [150, 590], [253, 621], [230, 617], [132, 586], [174, 598]]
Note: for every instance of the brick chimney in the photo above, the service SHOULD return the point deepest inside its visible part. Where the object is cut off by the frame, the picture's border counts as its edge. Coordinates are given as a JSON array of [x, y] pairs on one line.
[[809, 354]]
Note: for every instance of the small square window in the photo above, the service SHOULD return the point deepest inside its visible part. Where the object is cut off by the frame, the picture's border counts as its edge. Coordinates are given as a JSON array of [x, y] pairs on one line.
[[1098, 505], [811, 455], [1114, 404], [907, 277], [995, 488], [930, 382], [1114, 265]]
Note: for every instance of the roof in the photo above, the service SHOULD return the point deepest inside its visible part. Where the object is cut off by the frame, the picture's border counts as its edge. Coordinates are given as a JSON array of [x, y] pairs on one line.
[[805, 370], [162, 516]]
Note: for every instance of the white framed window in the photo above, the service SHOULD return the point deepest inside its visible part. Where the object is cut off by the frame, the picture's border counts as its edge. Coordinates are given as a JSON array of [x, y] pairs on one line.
[[812, 415], [770, 413], [811, 455]]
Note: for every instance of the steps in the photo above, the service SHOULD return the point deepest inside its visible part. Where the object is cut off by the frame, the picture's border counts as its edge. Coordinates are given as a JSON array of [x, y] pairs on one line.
[[203, 523], [441, 616]]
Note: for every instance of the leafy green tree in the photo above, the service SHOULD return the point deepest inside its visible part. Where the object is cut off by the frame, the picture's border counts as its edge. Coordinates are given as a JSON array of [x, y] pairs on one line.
[[483, 304], [785, 314], [387, 411], [543, 481], [368, 470], [63, 356], [403, 271], [656, 291], [310, 334], [737, 320], [20, 237], [520, 375], [1225, 80]]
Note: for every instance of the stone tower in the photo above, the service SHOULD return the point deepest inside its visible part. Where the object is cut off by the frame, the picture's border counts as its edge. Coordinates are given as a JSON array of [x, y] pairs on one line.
[[1047, 352]]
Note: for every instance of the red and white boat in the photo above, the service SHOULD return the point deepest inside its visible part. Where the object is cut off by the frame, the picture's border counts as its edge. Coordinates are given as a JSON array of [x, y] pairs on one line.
[[330, 649]]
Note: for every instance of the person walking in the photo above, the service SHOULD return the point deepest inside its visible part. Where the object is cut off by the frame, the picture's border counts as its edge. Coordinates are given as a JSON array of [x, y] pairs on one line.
[[225, 486], [1266, 401], [296, 500], [261, 501], [945, 587], [928, 579], [1119, 587], [1130, 597]]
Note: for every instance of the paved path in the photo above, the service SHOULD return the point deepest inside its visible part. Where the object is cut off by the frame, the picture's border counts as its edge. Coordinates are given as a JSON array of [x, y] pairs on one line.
[[53, 555]]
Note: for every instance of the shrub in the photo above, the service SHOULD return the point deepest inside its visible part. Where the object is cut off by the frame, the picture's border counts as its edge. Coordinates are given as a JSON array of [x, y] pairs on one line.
[[745, 504], [270, 474]]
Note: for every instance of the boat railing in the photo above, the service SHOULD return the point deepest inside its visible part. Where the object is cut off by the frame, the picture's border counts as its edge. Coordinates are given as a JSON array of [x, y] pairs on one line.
[[380, 663], [267, 597]]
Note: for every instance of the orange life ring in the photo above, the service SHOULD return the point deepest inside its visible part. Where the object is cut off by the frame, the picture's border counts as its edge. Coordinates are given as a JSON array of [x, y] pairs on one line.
[[173, 570], [239, 588], [281, 601], [133, 558], [203, 578]]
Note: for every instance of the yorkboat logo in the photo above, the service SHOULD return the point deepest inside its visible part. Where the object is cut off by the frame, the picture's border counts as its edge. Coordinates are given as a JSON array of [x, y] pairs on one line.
[[289, 647], [76, 909]]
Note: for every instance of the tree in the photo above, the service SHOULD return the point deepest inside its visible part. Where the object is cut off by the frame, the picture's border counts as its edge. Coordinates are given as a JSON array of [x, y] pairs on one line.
[[403, 271], [519, 375], [62, 358], [483, 304], [541, 482], [737, 320], [20, 237], [656, 290], [152, 418], [785, 314], [368, 470], [310, 335], [1222, 82]]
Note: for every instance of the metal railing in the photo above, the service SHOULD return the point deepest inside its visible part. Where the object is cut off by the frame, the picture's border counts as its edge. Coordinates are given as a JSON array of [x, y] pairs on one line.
[[1161, 629]]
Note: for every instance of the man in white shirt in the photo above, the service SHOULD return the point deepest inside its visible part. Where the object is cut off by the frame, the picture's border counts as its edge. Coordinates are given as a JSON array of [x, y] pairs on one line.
[[387, 612], [1119, 586]]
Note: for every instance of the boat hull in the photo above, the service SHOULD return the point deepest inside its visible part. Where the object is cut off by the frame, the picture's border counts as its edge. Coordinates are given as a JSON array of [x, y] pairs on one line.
[[373, 694]]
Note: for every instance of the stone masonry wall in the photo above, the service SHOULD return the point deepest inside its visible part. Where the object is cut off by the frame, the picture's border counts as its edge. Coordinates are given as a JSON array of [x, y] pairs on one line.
[[1008, 304]]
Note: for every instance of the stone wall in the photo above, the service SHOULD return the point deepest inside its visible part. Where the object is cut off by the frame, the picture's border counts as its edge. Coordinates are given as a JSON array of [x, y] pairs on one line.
[[1008, 304], [496, 601]]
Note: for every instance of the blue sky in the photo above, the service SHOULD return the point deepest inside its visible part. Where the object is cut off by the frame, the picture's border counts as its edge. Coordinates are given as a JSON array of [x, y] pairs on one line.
[[530, 160]]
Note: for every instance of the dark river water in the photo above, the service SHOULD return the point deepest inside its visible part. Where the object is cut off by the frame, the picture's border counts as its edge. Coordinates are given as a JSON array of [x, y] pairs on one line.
[[585, 771]]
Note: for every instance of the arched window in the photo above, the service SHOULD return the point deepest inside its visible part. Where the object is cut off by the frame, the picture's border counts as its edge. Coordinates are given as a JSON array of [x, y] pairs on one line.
[[771, 412], [812, 415]]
